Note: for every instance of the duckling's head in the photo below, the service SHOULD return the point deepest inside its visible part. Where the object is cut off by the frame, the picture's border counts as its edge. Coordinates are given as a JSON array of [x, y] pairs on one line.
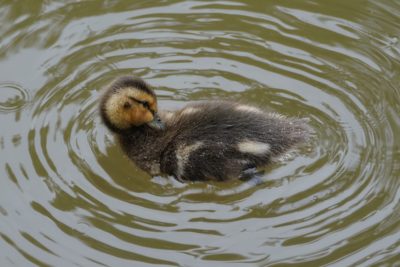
[[129, 102]]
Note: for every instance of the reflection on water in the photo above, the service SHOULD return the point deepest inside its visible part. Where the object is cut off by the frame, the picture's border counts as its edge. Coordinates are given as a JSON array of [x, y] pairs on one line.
[[69, 196]]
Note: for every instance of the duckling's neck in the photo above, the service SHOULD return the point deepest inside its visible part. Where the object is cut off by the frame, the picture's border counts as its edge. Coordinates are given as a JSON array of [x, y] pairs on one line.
[[140, 135], [143, 144]]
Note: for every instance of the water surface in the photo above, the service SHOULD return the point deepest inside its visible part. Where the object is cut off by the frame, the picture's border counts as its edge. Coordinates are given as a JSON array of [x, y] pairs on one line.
[[69, 197]]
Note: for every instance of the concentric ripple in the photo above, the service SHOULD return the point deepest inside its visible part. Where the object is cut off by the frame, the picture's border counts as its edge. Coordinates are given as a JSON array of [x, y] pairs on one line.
[[70, 197], [13, 97]]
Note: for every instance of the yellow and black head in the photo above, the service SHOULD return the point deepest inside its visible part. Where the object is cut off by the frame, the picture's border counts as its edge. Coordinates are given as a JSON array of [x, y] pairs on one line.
[[129, 102]]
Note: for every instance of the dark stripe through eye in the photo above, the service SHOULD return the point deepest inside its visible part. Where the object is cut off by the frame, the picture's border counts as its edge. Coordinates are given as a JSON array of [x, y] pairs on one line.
[[144, 103]]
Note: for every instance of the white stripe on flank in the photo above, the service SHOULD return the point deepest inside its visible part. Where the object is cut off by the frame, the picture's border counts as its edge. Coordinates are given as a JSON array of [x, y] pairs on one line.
[[182, 156], [190, 110], [253, 147], [248, 109]]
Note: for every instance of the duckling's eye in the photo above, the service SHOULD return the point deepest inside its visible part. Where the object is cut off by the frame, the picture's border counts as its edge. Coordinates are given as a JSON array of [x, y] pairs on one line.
[[145, 104], [142, 102], [127, 105]]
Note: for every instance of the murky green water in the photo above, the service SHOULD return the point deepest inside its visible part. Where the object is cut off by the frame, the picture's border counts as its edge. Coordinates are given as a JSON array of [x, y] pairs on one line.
[[68, 197]]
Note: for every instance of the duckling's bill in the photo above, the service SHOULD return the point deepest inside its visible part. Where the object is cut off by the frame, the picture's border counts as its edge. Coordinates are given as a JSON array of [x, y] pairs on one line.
[[156, 123]]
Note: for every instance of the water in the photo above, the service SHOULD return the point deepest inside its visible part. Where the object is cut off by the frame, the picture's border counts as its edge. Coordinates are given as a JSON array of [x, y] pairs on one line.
[[69, 197]]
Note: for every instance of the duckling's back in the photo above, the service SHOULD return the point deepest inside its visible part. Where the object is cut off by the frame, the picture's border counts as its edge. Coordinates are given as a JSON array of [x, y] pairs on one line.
[[221, 140]]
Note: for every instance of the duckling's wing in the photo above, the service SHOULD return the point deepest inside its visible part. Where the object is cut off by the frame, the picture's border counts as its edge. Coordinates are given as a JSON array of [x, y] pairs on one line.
[[232, 124], [219, 141]]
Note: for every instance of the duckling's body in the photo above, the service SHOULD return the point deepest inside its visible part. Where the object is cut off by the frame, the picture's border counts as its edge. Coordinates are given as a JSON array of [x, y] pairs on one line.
[[215, 140]]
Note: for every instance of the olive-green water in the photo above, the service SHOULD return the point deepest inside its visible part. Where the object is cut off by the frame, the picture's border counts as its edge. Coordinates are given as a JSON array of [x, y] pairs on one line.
[[69, 197]]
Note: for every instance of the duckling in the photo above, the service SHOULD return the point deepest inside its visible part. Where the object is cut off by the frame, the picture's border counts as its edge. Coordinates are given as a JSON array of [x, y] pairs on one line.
[[215, 140]]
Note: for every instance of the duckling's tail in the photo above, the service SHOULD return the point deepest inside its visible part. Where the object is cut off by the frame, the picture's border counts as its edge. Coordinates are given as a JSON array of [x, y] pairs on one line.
[[301, 131]]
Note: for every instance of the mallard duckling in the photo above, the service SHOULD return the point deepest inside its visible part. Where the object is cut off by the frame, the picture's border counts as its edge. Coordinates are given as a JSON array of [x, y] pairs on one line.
[[216, 140]]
